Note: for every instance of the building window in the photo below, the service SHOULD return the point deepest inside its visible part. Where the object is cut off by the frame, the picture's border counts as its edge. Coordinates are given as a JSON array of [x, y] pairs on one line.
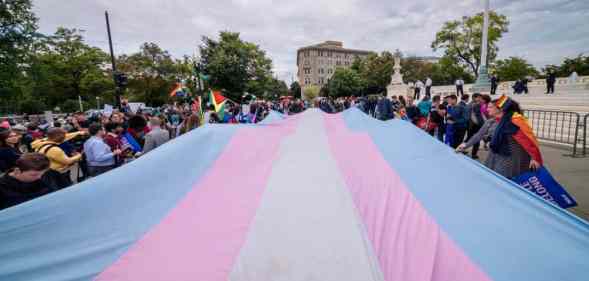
[[321, 71], [330, 54], [321, 80], [305, 53], [338, 63], [329, 71], [347, 63], [307, 70], [307, 81]]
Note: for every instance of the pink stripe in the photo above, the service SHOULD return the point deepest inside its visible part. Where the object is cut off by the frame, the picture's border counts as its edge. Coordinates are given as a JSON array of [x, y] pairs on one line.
[[409, 244], [201, 237]]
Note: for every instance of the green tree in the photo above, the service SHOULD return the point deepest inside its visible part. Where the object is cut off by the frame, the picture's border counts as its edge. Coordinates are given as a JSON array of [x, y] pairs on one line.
[[18, 26], [514, 68], [311, 92], [65, 65], [462, 39], [447, 71], [232, 63], [579, 64], [295, 89], [414, 69], [267, 87], [345, 82], [152, 74], [375, 70], [279, 87]]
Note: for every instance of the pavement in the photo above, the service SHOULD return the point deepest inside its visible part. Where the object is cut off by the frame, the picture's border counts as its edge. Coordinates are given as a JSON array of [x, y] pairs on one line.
[[571, 173]]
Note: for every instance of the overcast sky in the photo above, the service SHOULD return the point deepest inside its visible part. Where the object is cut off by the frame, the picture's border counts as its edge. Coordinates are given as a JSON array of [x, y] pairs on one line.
[[542, 31]]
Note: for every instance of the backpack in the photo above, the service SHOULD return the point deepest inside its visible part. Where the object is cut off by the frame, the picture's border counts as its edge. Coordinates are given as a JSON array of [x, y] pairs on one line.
[[47, 147]]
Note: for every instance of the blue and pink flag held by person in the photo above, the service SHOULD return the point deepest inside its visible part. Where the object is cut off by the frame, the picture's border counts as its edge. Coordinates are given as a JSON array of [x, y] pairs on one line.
[[312, 196]]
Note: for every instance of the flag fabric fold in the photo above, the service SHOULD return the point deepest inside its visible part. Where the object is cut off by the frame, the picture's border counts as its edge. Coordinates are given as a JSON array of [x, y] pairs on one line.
[[306, 197]]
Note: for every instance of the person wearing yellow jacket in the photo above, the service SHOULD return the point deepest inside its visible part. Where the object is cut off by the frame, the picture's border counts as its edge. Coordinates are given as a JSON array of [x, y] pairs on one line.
[[58, 176]]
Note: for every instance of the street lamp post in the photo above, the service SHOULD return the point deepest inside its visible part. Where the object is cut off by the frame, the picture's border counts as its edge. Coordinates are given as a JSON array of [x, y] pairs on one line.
[[483, 84]]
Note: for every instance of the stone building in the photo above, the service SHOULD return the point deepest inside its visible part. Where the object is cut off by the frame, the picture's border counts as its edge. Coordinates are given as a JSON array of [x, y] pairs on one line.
[[317, 63]]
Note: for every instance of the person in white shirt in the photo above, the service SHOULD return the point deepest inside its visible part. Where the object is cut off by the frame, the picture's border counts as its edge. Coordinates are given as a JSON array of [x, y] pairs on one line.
[[428, 87], [459, 87], [418, 86]]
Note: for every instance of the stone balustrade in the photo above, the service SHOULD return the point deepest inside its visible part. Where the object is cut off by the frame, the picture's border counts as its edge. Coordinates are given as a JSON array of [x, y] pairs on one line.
[[537, 86]]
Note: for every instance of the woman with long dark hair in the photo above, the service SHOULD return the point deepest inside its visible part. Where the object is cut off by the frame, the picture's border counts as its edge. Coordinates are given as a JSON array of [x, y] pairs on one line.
[[9, 152]]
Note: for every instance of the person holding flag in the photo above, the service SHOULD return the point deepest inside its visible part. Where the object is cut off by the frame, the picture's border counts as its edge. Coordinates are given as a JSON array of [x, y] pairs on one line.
[[514, 147]]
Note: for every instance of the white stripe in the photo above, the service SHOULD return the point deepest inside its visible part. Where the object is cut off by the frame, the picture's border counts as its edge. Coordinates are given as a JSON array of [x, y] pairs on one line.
[[307, 227]]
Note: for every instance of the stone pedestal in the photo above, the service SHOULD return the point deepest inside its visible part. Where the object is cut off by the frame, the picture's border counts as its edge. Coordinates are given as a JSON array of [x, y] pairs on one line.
[[483, 83], [397, 87]]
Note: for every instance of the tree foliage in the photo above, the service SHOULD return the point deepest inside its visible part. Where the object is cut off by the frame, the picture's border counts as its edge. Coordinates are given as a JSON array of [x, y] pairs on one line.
[[311, 92], [40, 72], [235, 65], [275, 89], [375, 70], [152, 74], [448, 70], [579, 64], [345, 82], [18, 27], [414, 69], [514, 68], [295, 89], [462, 39], [71, 62]]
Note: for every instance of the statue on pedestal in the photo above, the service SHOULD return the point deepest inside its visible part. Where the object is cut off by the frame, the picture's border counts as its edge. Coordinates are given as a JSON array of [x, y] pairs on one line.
[[397, 87]]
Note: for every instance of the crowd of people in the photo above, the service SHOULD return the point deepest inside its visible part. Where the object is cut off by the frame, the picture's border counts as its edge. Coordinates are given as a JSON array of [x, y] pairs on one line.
[[38, 157], [466, 123]]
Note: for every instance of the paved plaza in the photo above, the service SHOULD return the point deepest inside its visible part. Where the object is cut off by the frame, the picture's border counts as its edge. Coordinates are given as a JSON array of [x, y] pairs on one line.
[[572, 173]]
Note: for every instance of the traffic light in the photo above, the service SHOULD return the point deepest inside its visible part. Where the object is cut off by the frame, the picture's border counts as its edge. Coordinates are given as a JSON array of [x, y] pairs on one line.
[[121, 80]]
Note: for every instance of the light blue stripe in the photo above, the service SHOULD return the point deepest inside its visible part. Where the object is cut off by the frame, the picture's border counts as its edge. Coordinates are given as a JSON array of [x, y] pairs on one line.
[[512, 234], [76, 233]]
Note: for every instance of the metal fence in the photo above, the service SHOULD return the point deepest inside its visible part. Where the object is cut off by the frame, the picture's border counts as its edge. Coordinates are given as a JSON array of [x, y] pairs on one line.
[[585, 125], [562, 127]]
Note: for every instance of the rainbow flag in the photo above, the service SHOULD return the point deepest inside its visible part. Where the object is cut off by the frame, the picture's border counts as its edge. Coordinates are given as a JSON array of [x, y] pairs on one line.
[[311, 196], [179, 91]]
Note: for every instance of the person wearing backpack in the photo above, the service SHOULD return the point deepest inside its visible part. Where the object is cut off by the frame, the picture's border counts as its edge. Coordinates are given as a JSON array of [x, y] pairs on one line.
[[58, 176]]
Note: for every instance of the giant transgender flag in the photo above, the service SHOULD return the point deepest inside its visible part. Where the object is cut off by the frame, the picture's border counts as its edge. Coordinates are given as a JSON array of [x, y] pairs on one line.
[[311, 197]]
